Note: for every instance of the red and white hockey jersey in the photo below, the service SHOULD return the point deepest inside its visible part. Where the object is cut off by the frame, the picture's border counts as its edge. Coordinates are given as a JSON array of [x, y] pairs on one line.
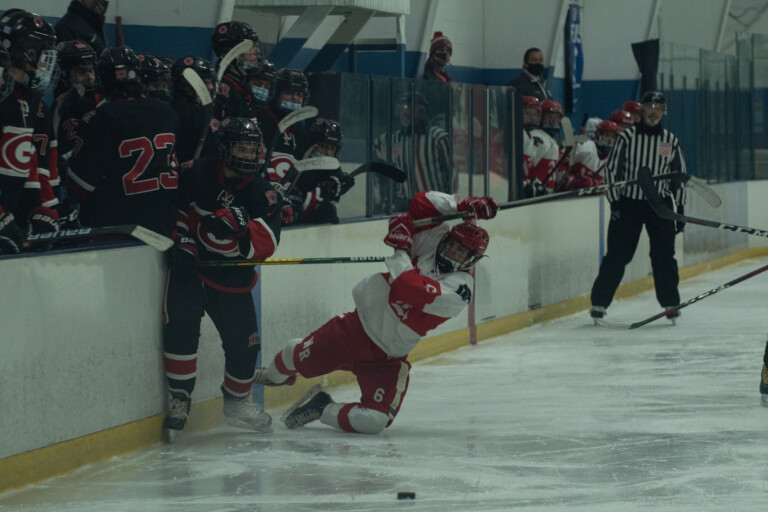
[[399, 307], [585, 167], [540, 154]]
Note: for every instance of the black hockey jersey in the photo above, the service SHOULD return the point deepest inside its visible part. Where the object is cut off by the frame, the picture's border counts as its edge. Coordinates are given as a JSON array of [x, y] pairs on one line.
[[125, 172], [191, 121], [290, 147], [203, 190]]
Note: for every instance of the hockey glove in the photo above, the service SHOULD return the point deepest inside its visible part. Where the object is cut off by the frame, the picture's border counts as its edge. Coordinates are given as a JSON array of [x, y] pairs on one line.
[[69, 214], [481, 207], [185, 253], [347, 182], [330, 189], [287, 214], [227, 222], [11, 235], [400, 236]]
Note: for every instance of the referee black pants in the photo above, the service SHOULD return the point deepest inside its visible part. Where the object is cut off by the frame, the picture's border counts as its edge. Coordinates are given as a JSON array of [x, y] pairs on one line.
[[628, 216]]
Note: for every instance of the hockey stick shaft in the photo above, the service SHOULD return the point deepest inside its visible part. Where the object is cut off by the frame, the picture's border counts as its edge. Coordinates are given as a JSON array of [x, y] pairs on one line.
[[665, 212], [197, 84], [688, 302], [294, 117], [387, 170], [589, 191], [293, 261], [156, 240]]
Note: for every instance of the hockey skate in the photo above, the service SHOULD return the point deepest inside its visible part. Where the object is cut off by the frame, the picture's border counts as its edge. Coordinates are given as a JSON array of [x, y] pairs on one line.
[[178, 413], [261, 377], [674, 315], [597, 312], [307, 409], [764, 386], [240, 413]]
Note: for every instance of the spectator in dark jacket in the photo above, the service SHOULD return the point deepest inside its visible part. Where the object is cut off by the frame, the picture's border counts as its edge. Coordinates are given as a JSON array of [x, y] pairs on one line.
[[530, 82], [84, 20]]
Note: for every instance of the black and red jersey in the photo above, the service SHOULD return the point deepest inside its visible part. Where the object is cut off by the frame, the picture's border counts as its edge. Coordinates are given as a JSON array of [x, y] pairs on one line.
[[205, 189], [70, 108], [125, 172]]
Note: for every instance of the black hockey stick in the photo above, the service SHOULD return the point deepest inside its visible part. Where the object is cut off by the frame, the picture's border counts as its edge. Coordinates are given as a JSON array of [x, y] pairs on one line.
[[294, 117], [197, 84], [320, 163], [156, 240], [697, 298], [293, 261], [387, 170], [589, 191], [665, 212]]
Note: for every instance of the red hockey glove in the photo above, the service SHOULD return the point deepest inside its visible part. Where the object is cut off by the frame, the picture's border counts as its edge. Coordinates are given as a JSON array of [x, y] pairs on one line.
[[482, 207], [11, 235], [400, 235], [227, 222], [287, 213]]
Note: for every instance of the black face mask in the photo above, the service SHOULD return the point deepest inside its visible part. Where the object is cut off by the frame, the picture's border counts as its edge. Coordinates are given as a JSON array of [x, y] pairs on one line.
[[536, 69]]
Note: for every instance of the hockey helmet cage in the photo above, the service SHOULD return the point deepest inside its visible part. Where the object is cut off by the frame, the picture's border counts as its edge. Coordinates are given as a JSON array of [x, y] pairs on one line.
[[30, 39], [461, 248], [290, 80], [241, 146]]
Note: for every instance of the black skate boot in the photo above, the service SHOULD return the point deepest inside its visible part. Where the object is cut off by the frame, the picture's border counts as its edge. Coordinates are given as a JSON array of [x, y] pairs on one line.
[[307, 409], [178, 412]]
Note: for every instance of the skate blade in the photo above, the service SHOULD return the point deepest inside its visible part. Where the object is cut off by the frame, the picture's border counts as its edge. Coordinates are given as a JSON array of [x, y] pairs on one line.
[[266, 429], [311, 392], [171, 435], [764, 400]]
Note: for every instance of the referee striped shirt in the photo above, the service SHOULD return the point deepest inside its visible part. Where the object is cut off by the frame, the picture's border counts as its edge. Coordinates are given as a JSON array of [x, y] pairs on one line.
[[638, 147], [426, 157]]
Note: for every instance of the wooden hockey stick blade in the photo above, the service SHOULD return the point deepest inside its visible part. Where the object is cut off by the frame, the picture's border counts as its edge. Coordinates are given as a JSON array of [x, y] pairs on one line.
[[231, 55], [156, 240], [390, 171], [194, 80], [697, 298], [306, 397], [665, 212], [319, 163], [588, 191], [565, 123], [292, 261]]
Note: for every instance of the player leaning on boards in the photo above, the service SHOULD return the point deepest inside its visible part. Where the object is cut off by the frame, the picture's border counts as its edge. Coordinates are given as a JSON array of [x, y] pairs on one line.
[[427, 282], [646, 144], [226, 210]]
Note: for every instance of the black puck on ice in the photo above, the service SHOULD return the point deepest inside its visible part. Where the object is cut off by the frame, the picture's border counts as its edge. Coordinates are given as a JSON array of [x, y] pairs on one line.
[[406, 495]]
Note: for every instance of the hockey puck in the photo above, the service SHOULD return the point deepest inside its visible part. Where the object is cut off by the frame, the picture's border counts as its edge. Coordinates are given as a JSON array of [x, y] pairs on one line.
[[406, 495]]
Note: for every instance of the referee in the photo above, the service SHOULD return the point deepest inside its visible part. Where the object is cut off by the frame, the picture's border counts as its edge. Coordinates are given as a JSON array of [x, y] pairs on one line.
[[645, 144]]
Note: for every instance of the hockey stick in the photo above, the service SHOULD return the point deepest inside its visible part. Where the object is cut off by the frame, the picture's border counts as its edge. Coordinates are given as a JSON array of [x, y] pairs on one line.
[[697, 298], [320, 163], [235, 52], [665, 212], [156, 240], [293, 261], [197, 84], [294, 117], [389, 171], [589, 191], [568, 143]]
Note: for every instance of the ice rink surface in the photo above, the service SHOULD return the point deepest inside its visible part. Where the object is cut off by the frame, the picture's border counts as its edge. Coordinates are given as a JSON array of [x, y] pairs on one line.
[[561, 416]]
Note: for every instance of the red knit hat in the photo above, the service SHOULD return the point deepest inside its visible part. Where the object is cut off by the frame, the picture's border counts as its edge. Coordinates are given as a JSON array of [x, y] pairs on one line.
[[439, 40]]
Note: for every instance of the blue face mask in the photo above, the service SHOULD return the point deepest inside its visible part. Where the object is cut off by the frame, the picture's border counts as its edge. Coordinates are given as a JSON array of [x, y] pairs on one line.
[[289, 105], [260, 94]]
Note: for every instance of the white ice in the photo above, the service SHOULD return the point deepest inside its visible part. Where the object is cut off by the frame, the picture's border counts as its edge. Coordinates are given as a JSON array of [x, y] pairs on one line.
[[560, 416]]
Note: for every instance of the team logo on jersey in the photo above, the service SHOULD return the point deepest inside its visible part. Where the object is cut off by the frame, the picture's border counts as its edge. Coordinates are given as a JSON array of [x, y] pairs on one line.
[[225, 198], [16, 152], [271, 197], [224, 89], [401, 309], [665, 149], [254, 339], [465, 293]]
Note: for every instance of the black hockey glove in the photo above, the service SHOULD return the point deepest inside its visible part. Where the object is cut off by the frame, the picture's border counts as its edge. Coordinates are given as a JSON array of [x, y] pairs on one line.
[[330, 189], [325, 213], [69, 214], [184, 255], [11, 235], [347, 182], [227, 223], [42, 220]]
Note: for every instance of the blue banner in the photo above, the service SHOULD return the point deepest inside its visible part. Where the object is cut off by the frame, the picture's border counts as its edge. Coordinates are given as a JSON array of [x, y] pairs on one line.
[[574, 65]]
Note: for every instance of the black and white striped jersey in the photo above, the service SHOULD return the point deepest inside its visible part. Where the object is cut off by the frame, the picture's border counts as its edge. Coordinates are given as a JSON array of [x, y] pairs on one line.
[[637, 147]]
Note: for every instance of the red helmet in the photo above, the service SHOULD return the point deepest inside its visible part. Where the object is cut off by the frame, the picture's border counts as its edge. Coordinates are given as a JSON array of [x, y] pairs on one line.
[[462, 247], [607, 126], [552, 107], [632, 107], [531, 102], [622, 118]]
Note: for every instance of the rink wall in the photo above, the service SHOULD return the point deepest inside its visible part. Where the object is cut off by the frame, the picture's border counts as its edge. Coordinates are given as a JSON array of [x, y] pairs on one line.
[[80, 345]]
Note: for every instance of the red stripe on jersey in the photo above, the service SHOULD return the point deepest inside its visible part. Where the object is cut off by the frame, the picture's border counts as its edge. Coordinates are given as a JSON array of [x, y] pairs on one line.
[[421, 207], [237, 388], [408, 295], [343, 418], [186, 368], [280, 365], [262, 240]]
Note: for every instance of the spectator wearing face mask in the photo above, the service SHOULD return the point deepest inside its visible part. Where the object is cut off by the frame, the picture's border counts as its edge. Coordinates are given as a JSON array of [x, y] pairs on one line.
[[440, 51], [530, 82]]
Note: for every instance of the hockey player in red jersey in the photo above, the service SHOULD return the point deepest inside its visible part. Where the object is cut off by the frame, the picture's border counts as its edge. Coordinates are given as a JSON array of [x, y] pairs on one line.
[[28, 172], [428, 281], [226, 210], [125, 171], [540, 151], [589, 157]]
